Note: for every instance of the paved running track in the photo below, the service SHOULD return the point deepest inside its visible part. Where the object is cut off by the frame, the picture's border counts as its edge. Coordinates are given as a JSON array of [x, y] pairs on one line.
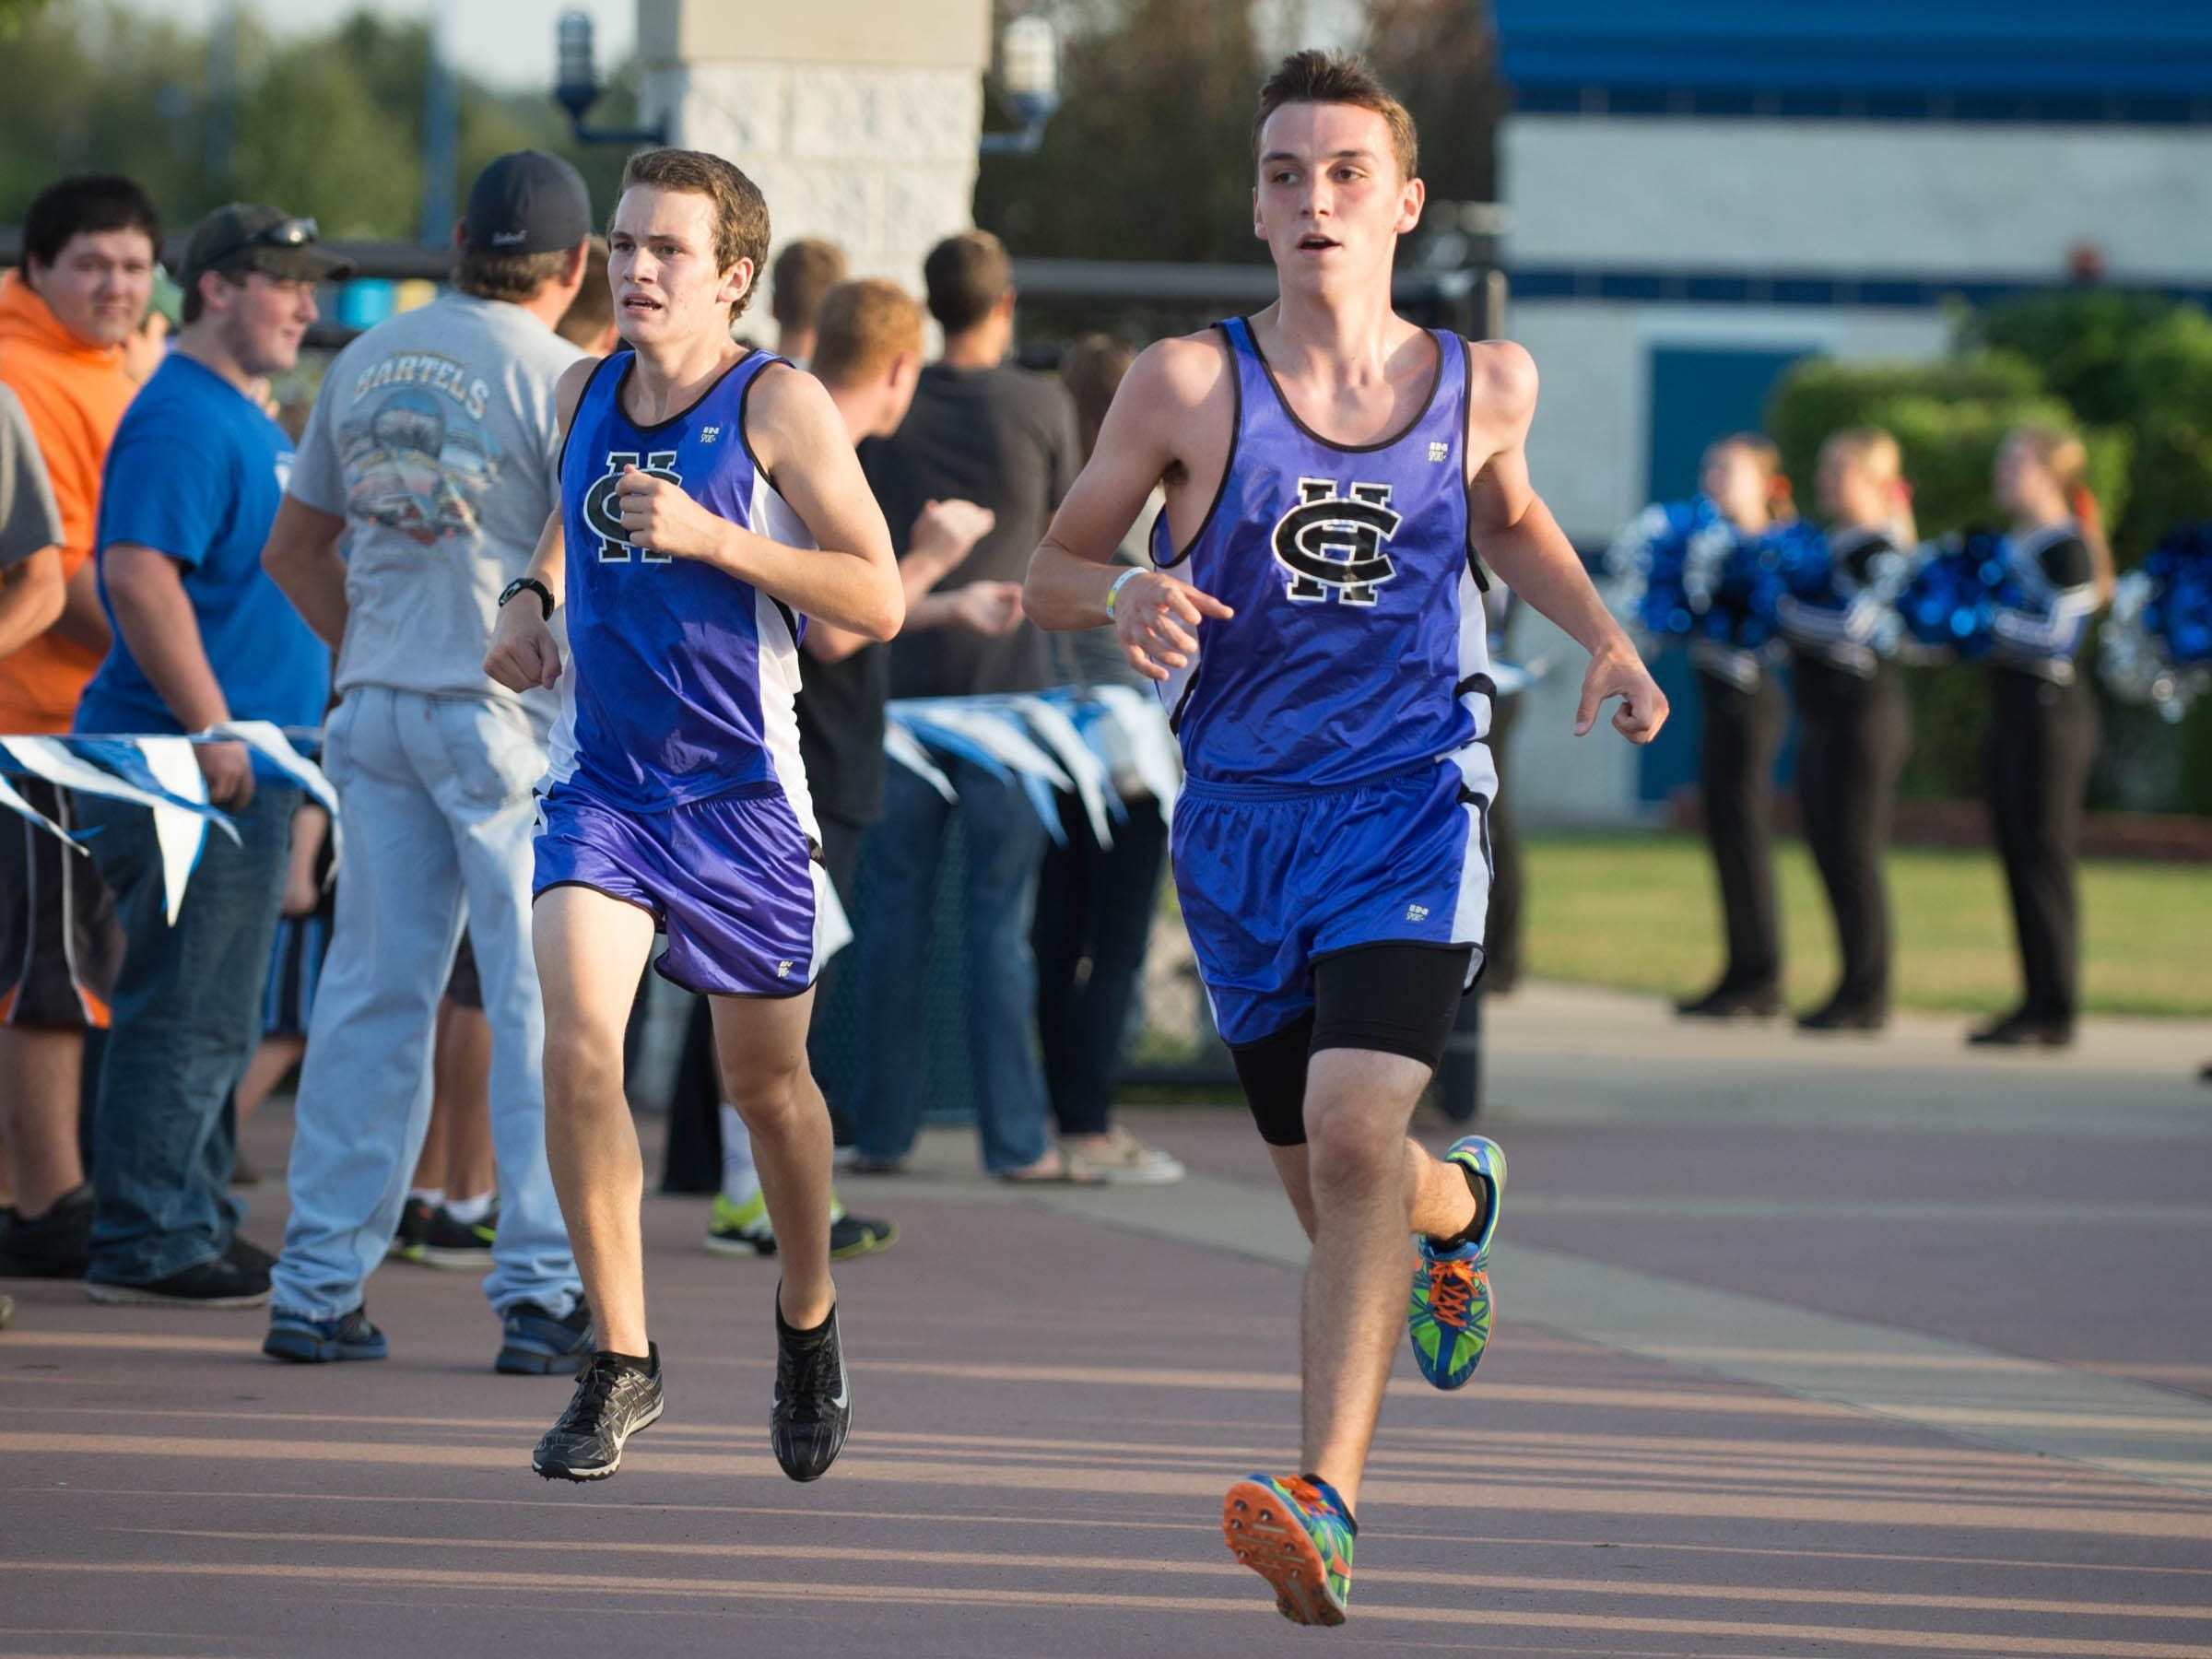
[[1804, 1348]]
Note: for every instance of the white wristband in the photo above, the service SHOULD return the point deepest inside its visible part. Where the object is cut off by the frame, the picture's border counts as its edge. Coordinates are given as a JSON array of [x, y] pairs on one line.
[[1121, 582]]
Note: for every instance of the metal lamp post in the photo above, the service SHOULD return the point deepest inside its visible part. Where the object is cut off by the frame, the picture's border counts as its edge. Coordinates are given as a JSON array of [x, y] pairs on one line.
[[577, 88], [1028, 70]]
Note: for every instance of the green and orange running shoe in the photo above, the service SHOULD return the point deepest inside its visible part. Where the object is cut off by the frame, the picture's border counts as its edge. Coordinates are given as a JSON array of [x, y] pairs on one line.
[[1449, 1318], [1294, 1531]]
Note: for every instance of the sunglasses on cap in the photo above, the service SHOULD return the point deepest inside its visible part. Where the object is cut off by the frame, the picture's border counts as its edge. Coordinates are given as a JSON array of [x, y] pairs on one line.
[[284, 233]]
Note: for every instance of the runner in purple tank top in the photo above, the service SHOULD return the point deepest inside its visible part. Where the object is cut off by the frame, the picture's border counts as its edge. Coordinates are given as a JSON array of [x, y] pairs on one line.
[[1315, 627], [711, 501]]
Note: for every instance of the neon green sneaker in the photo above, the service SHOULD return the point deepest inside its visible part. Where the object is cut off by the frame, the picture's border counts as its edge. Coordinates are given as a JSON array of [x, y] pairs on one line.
[[744, 1230], [1449, 1317], [1295, 1534], [736, 1229]]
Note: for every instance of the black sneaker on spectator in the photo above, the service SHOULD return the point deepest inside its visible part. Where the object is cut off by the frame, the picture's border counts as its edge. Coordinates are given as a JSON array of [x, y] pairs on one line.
[[615, 1397], [306, 1341], [249, 1256], [463, 1246], [221, 1283], [534, 1344], [56, 1244], [414, 1228]]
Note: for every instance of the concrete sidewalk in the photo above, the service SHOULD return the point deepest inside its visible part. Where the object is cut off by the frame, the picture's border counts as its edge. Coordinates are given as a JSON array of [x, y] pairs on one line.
[[1804, 1348]]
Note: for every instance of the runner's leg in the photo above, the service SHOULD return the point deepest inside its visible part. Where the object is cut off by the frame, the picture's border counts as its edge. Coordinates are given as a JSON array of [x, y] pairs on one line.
[[762, 1044], [590, 951], [1358, 1105]]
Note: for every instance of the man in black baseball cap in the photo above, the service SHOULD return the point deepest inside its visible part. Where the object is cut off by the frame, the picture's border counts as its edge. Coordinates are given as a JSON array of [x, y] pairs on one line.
[[433, 452], [527, 202], [247, 236]]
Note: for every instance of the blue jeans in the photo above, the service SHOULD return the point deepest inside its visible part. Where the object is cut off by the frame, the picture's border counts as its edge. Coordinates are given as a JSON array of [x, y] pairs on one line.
[[1004, 848], [437, 800], [186, 1018]]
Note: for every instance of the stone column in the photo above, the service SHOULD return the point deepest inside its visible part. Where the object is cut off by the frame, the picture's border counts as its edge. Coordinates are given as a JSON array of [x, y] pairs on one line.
[[857, 118]]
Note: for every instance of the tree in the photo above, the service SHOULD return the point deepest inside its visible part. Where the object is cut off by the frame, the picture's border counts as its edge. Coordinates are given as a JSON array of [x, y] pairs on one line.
[[1149, 154], [1440, 57], [2137, 360], [329, 124]]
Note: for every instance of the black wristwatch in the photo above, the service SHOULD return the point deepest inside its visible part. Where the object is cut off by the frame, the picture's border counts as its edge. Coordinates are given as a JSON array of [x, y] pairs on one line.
[[545, 594]]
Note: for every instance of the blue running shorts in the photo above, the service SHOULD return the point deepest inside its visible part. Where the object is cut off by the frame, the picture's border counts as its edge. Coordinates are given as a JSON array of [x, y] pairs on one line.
[[735, 882], [1273, 880]]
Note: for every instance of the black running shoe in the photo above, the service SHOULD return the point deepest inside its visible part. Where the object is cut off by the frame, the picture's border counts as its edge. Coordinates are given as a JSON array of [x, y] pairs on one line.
[[414, 1230], [56, 1244], [814, 1401], [534, 1344], [305, 1341], [248, 1254], [614, 1398], [463, 1246], [221, 1283]]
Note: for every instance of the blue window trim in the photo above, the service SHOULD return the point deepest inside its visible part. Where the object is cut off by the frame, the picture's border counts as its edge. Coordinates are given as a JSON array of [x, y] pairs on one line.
[[1857, 290], [1966, 107]]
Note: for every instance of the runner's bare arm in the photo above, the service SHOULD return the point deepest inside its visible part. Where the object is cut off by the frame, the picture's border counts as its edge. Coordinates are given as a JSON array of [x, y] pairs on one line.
[[850, 578], [524, 654], [1518, 537], [1172, 386]]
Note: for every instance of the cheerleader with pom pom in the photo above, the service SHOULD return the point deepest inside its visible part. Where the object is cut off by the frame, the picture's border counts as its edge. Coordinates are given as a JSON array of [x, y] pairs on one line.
[[2042, 730], [2157, 641], [1742, 718], [1851, 703]]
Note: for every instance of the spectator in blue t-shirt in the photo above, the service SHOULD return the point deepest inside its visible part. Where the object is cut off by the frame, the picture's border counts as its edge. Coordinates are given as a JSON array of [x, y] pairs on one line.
[[202, 636]]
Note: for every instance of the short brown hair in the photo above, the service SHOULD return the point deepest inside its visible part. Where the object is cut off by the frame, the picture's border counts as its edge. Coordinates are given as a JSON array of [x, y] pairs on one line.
[[513, 277], [802, 274], [965, 275], [587, 320], [1337, 77], [740, 211], [1091, 370], [862, 327]]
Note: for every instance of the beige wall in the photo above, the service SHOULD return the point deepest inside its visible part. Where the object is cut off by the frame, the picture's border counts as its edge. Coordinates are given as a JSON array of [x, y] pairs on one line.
[[858, 119]]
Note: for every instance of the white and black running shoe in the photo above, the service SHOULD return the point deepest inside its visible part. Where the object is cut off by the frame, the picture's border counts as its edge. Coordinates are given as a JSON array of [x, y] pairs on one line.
[[814, 1399], [614, 1398]]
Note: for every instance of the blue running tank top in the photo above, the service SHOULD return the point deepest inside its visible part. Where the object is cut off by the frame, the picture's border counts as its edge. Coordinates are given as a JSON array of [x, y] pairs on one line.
[[1358, 647], [681, 678]]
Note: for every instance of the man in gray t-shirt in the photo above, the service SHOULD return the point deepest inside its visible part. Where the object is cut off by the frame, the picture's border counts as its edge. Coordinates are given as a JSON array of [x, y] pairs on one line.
[[30, 533], [432, 452]]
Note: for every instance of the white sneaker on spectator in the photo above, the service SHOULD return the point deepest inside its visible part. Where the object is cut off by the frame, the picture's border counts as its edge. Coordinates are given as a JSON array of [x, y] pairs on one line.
[[1123, 1158]]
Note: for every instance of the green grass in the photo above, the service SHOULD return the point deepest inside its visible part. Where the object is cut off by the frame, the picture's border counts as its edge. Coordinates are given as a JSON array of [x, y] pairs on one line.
[[1642, 914]]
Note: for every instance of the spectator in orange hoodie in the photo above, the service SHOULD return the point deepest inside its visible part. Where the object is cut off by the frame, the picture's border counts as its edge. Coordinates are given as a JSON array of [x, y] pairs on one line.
[[90, 246]]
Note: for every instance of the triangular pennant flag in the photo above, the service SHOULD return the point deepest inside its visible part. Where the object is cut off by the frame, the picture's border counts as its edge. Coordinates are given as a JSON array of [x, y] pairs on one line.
[[15, 803], [265, 739], [900, 745], [180, 831]]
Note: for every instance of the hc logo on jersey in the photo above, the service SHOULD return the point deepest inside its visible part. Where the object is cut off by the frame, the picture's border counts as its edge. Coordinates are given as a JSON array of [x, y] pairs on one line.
[[1331, 543], [599, 511]]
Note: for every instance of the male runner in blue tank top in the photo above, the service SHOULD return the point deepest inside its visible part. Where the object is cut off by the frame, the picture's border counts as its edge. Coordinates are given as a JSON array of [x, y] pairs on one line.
[[1316, 630], [710, 499]]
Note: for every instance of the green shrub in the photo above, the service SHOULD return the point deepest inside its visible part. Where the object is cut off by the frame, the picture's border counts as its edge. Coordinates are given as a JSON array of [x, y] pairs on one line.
[[1947, 418]]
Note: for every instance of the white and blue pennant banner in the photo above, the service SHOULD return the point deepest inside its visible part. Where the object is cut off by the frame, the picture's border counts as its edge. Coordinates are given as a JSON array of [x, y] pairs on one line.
[[1104, 746], [159, 774]]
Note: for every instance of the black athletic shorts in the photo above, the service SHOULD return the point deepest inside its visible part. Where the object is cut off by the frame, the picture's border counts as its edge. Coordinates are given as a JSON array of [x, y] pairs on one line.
[[1393, 999], [60, 944]]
